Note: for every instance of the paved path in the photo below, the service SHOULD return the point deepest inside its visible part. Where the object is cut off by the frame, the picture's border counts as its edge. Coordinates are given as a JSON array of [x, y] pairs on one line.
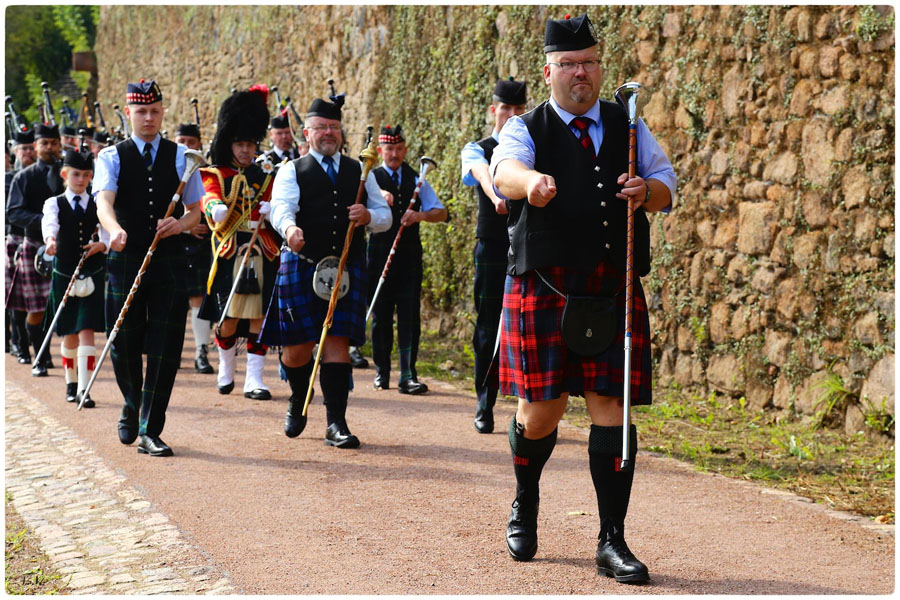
[[421, 508]]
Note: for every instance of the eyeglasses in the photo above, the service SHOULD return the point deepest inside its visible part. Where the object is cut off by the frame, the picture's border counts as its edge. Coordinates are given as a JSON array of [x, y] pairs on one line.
[[332, 128], [569, 67]]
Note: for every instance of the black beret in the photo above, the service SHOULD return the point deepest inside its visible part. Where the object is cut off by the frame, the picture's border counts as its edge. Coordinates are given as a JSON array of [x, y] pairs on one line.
[[83, 161], [100, 137], [143, 92], [188, 130], [510, 91], [568, 34], [325, 109], [279, 122], [25, 137], [42, 130]]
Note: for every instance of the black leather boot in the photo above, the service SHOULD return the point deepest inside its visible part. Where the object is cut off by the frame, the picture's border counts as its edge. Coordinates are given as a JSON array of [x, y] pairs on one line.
[[34, 335], [529, 457], [614, 559], [201, 363], [335, 381], [484, 414], [521, 530], [298, 378]]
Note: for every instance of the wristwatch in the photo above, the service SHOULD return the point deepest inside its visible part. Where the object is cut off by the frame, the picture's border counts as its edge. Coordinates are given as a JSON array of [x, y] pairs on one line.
[[647, 197]]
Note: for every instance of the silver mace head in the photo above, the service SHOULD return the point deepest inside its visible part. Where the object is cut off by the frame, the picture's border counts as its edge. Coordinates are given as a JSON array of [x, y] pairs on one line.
[[632, 96], [427, 163]]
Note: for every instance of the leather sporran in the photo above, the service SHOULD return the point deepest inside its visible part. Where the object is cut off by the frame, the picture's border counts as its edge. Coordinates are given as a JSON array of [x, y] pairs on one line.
[[325, 276], [589, 324]]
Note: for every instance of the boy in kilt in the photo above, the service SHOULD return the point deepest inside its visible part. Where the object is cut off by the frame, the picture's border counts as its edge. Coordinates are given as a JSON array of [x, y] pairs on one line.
[[68, 223], [491, 249], [29, 189], [564, 168], [312, 206], [134, 183], [402, 288], [199, 258], [235, 202]]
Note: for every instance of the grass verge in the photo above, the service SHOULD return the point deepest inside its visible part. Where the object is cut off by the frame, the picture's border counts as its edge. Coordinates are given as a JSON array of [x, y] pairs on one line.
[[720, 434], [28, 570]]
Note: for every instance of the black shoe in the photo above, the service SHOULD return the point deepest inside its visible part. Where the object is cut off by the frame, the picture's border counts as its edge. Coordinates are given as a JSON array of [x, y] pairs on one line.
[[154, 446], [614, 559], [88, 403], [521, 531], [72, 392], [294, 421], [484, 420], [39, 370], [381, 382], [46, 361], [23, 357], [339, 436], [128, 426], [413, 387], [258, 394], [357, 360], [201, 363], [225, 389]]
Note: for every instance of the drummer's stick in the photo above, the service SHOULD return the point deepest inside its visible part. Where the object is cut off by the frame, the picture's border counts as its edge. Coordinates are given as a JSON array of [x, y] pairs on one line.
[[62, 304], [632, 96], [193, 160], [367, 157], [425, 163]]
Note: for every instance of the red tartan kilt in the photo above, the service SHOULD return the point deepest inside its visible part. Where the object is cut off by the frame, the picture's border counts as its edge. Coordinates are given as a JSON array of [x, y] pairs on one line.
[[535, 363]]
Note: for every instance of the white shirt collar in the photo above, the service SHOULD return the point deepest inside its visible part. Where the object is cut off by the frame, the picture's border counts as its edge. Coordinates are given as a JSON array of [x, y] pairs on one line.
[[140, 143], [592, 113], [336, 156], [70, 196]]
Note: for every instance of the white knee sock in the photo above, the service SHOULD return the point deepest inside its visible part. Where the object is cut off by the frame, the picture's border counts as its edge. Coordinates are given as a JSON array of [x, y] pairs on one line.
[[68, 360], [226, 365], [201, 329], [87, 355]]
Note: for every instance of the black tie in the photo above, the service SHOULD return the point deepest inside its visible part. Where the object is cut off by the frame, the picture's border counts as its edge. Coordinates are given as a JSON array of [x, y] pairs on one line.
[[395, 177], [53, 178], [79, 212], [329, 169], [148, 158]]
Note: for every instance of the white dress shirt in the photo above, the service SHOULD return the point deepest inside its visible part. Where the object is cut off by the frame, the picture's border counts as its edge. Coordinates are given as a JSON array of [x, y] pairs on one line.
[[50, 220]]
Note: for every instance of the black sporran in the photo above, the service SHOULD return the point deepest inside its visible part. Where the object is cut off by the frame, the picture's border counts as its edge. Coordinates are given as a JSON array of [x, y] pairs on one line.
[[249, 282], [589, 324]]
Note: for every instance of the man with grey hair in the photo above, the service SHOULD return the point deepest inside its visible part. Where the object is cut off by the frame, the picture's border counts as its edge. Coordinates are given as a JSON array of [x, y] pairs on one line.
[[563, 167]]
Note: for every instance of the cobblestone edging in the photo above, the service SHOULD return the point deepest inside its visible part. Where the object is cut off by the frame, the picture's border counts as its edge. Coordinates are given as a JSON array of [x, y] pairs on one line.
[[97, 529]]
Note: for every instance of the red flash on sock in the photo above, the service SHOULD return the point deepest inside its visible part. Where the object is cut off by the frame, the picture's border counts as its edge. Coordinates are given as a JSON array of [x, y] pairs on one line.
[[520, 460], [618, 463], [90, 362], [68, 363]]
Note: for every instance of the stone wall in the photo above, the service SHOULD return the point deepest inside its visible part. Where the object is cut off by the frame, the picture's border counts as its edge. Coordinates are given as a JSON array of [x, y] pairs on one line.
[[777, 265]]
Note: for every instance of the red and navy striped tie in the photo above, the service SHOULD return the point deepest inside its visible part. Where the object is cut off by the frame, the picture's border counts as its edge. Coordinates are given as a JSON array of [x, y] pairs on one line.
[[582, 124]]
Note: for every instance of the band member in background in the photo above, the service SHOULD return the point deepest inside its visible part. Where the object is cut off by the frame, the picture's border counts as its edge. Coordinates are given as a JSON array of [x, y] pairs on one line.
[[199, 258], [69, 138], [134, 183], [402, 288], [235, 202], [283, 142], [564, 167], [23, 156], [491, 247], [98, 142], [313, 206], [68, 222], [24, 149], [29, 189]]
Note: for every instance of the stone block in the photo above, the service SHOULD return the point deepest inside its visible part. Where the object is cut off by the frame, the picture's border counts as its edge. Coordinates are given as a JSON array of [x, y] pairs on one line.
[[854, 420], [808, 249], [879, 385], [757, 222], [829, 58], [759, 395], [781, 395], [809, 393], [866, 329], [783, 168], [777, 347], [818, 151], [816, 209], [725, 374], [719, 319]]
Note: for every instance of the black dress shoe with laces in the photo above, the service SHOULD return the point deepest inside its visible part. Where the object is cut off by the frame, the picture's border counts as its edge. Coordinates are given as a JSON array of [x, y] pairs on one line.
[[357, 360], [23, 358], [201, 363], [413, 387], [72, 392], [614, 559], [259, 394], [294, 421], [484, 420], [88, 402], [225, 389], [154, 446], [339, 436], [128, 426], [381, 382], [39, 370], [521, 531]]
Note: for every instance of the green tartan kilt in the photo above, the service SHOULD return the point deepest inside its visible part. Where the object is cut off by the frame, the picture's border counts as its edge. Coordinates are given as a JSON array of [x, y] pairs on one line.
[[79, 313]]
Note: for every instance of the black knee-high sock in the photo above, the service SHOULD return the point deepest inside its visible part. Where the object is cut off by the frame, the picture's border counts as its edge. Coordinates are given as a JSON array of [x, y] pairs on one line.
[[613, 486], [298, 378], [335, 381], [36, 336], [529, 458]]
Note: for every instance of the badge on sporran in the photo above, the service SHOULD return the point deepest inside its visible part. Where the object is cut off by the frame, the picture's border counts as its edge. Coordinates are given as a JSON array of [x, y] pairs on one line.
[[325, 276]]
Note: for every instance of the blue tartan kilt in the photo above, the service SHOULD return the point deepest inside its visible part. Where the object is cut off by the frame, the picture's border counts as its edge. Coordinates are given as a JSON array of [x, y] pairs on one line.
[[296, 315]]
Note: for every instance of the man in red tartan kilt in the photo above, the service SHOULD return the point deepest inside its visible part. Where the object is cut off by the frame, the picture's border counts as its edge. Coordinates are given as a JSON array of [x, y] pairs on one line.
[[564, 168]]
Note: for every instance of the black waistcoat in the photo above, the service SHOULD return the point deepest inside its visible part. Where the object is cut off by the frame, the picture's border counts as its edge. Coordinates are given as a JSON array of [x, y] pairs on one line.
[[74, 233], [143, 197], [323, 214], [491, 226], [23, 214], [584, 224], [402, 198]]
